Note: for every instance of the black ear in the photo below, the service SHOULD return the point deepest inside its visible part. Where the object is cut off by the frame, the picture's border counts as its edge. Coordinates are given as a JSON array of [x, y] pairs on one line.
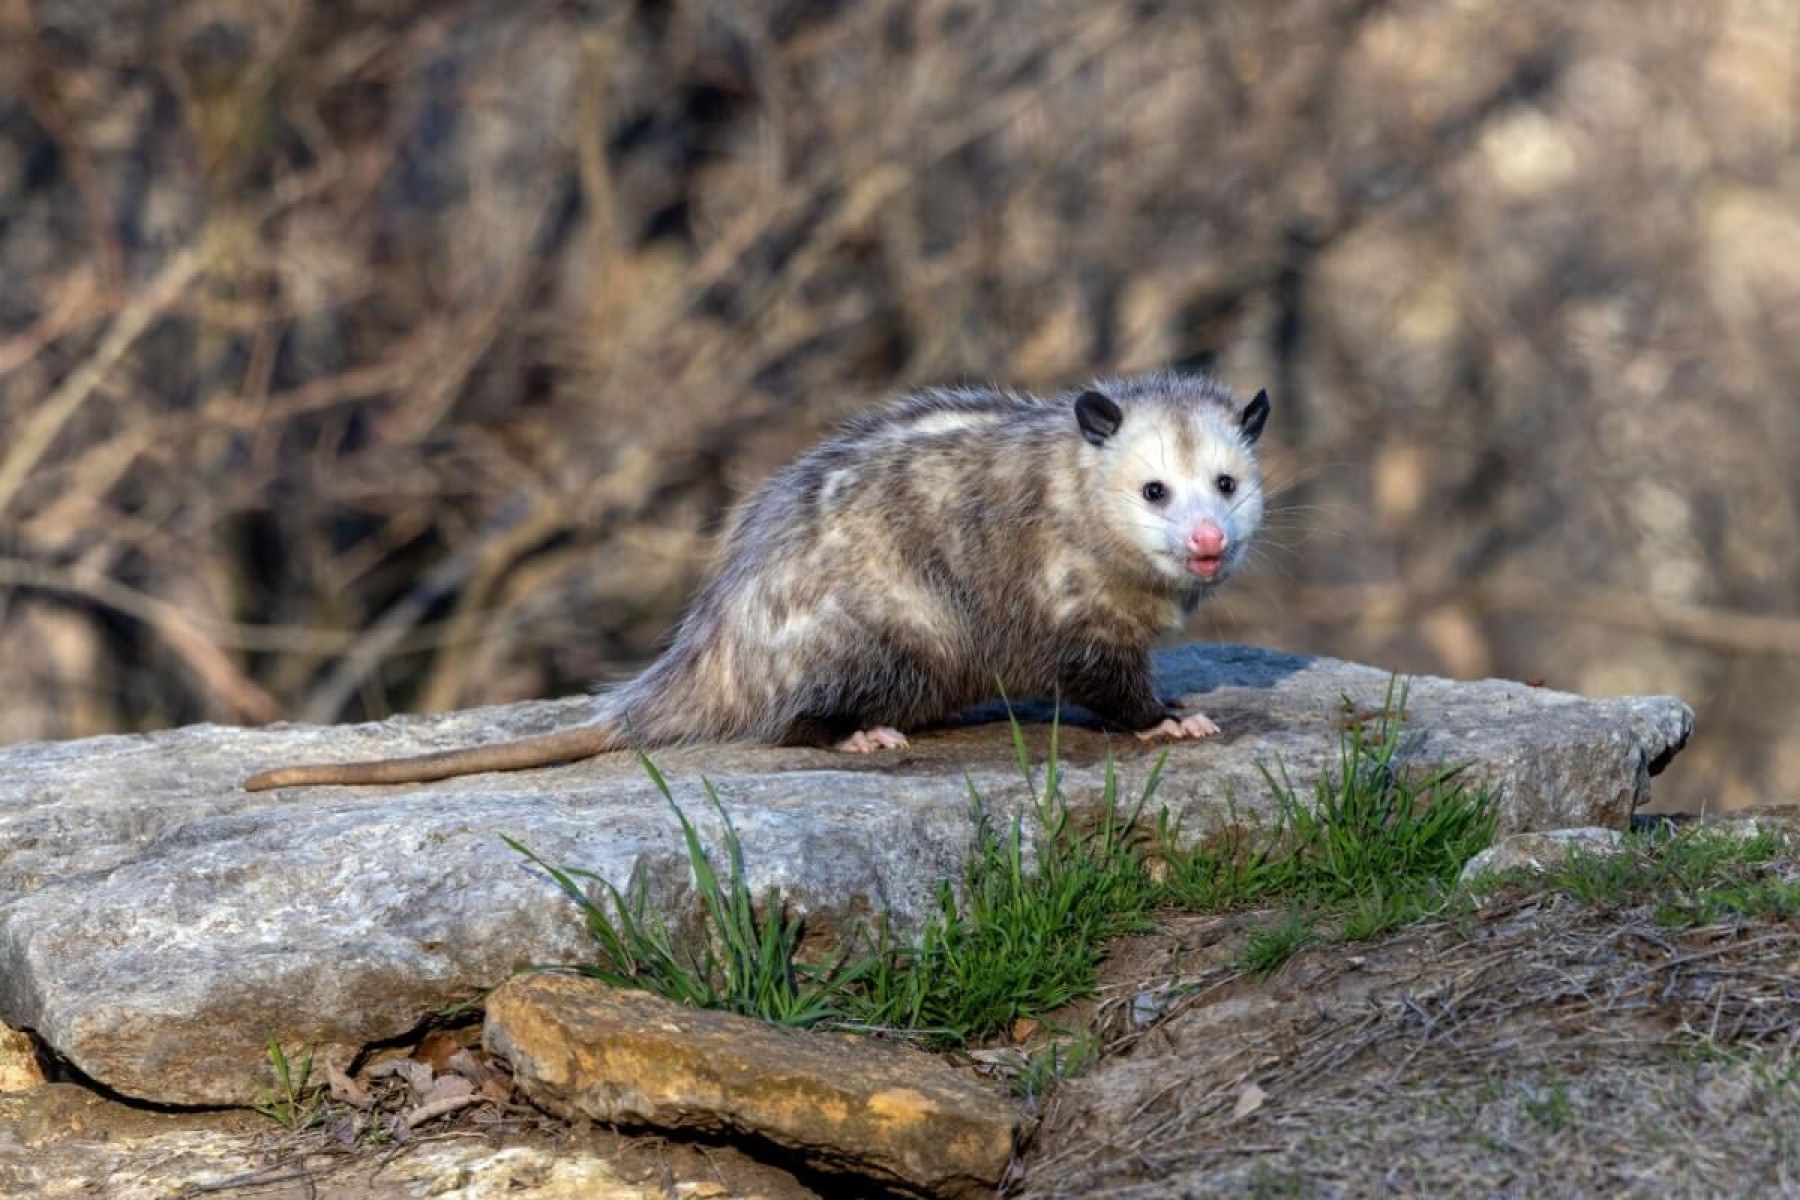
[[1098, 417], [1255, 413]]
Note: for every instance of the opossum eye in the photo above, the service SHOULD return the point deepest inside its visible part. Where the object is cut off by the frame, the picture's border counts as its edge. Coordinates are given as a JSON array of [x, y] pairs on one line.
[[1226, 485], [1155, 492]]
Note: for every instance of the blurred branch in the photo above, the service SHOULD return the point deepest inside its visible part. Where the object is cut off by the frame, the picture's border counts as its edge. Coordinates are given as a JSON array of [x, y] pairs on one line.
[[128, 601], [19, 575], [461, 348], [480, 559], [448, 682], [1716, 628], [41, 98], [78, 303], [873, 178], [131, 323], [201, 654]]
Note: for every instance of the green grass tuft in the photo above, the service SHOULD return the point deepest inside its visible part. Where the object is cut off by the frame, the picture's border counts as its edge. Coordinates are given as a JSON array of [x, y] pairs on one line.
[[1550, 1106], [746, 963], [1040, 899], [1061, 1057], [1375, 849], [1027, 935], [1269, 947], [1687, 878], [295, 1102]]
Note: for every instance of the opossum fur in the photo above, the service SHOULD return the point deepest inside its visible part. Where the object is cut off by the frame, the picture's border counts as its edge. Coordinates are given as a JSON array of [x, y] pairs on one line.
[[929, 551]]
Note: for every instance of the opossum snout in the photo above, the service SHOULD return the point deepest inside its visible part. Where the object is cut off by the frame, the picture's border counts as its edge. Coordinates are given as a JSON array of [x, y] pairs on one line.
[[1205, 550], [1206, 539]]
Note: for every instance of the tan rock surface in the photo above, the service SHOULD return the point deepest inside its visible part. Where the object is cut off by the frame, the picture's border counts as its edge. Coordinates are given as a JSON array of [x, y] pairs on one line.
[[20, 1070], [844, 1103], [64, 1141]]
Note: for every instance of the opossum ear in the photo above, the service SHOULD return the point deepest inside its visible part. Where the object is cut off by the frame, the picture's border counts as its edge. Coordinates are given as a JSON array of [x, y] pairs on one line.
[[1098, 417], [1255, 413]]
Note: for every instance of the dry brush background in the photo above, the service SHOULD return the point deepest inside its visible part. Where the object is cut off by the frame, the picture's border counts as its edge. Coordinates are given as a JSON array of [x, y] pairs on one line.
[[371, 355]]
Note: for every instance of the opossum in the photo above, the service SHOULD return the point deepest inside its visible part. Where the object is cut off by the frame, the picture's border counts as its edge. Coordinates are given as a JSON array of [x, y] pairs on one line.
[[959, 542]]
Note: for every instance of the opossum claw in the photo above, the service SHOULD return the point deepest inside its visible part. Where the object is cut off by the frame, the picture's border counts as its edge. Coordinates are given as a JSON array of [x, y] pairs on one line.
[[882, 737], [1194, 725]]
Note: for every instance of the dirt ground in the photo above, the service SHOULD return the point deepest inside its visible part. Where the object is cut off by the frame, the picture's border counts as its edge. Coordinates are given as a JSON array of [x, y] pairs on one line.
[[1537, 1048]]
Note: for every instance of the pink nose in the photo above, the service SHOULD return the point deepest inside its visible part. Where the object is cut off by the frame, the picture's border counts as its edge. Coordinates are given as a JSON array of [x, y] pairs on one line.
[[1207, 540]]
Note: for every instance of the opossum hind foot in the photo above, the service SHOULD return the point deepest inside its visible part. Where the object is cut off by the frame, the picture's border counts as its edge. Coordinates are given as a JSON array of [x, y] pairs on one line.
[[1194, 725], [867, 741]]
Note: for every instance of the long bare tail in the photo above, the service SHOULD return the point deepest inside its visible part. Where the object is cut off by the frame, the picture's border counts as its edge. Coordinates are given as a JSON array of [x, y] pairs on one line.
[[545, 751]]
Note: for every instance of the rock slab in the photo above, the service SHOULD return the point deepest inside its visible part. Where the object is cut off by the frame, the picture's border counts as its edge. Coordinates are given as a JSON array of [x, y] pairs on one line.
[[844, 1103], [1538, 851], [65, 1143], [158, 924]]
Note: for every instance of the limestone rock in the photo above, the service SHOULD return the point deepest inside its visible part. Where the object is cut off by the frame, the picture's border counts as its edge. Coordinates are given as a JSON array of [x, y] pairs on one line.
[[158, 924], [844, 1103], [1779, 821], [471, 1171], [1536, 851], [64, 1141]]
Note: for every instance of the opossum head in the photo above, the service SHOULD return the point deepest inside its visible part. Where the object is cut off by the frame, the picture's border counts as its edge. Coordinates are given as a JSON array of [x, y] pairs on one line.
[[1177, 473]]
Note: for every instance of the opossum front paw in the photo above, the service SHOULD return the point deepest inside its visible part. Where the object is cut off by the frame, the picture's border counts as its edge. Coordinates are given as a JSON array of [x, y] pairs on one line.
[[1194, 725], [866, 741]]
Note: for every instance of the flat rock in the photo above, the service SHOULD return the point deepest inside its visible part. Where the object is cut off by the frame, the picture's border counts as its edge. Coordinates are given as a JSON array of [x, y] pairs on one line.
[[1538, 851], [158, 924], [843, 1103], [65, 1141]]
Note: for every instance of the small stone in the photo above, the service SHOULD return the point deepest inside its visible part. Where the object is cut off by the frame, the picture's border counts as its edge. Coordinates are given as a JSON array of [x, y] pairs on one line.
[[1537, 851], [844, 1103]]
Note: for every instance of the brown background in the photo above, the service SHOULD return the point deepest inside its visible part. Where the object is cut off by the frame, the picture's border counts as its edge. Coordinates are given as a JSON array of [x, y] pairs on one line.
[[360, 357]]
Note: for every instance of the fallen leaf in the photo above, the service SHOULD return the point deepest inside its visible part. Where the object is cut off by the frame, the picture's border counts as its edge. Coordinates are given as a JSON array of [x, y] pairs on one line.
[[1248, 1101], [437, 1048], [447, 1087], [416, 1117], [474, 1066], [418, 1076], [346, 1089]]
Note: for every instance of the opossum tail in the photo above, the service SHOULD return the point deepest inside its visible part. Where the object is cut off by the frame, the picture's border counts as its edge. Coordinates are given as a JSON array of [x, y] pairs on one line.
[[546, 751]]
